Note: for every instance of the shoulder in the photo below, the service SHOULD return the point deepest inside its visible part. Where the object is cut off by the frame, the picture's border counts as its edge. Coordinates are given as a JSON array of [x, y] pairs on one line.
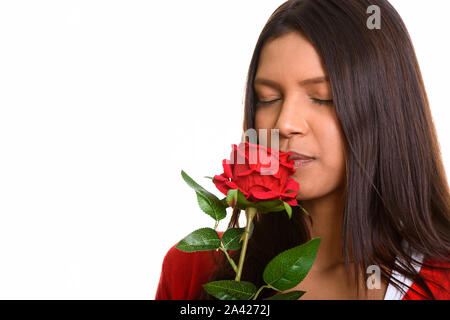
[[184, 273], [436, 274]]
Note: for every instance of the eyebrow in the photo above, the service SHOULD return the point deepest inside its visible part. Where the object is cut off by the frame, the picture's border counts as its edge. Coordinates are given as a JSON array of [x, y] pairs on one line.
[[273, 84]]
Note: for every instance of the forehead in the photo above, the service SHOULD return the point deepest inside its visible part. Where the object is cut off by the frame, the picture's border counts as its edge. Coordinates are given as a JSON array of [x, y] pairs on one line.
[[291, 54]]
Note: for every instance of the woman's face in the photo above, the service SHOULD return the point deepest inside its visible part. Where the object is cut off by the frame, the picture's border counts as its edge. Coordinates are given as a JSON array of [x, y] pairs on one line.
[[291, 77]]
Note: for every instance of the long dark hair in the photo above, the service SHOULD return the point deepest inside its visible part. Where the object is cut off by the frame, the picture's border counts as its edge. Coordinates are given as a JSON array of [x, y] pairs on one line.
[[396, 187]]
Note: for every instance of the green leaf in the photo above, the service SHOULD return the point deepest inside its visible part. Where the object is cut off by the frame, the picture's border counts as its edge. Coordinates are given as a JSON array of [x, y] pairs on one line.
[[231, 238], [224, 202], [231, 197], [291, 295], [290, 267], [269, 206], [200, 240], [230, 289], [235, 198], [288, 209], [207, 201], [213, 209]]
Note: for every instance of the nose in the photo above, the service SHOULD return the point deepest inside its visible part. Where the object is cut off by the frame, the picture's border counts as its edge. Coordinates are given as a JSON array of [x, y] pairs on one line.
[[291, 121]]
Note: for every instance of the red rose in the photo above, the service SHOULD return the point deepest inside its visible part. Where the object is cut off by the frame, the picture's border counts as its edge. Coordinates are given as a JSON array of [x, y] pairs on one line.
[[252, 178]]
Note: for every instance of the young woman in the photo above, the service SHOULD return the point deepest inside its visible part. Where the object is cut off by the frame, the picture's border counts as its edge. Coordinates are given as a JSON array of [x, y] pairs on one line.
[[352, 99]]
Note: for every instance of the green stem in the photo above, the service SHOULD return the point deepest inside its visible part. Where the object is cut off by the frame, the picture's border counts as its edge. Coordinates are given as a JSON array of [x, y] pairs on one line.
[[304, 210], [262, 287], [259, 290], [217, 223], [250, 212], [228, 257]]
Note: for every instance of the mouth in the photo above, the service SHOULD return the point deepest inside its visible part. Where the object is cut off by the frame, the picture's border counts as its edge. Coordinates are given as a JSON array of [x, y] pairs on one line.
[[300, 160], [299, 156]]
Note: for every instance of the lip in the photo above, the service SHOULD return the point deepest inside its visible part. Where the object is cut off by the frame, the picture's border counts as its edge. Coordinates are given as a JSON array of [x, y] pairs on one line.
[[298, 156], [302, 163]]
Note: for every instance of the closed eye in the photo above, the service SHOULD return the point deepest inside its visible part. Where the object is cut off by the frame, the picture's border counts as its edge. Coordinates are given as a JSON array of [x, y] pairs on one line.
[[318, 101], [263, 103], [314, 100]]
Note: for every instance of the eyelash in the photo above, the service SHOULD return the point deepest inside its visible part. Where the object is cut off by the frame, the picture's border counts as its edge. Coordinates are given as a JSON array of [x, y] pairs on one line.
[[317, 101], [263, 103]]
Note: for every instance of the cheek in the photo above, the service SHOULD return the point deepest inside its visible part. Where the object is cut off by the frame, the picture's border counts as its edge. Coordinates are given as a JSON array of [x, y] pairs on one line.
[[259, 120], [332, 149], [265, 118], [328, 173]]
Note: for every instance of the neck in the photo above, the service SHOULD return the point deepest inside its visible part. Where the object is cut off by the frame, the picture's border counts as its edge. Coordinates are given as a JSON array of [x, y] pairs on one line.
[[326, 222]]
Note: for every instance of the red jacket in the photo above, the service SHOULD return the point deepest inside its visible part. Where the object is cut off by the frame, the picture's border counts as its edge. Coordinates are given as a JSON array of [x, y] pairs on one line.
[[183, 275]]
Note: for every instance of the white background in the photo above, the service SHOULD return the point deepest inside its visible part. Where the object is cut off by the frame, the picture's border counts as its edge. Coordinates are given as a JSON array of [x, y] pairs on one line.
[[102, 103]]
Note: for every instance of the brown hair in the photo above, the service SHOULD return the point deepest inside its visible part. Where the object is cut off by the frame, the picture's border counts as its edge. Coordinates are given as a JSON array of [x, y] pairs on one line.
[[396, 187]]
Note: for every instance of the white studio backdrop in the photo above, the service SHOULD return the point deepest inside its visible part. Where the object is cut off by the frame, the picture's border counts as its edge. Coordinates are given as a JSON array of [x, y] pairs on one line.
[[103, 103]]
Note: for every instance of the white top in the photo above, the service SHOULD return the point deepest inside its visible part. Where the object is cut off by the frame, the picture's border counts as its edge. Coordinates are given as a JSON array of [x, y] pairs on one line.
[[392, 293]]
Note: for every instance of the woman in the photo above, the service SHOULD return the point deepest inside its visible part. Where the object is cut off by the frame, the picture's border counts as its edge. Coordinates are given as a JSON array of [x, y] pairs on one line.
[[352, 99]]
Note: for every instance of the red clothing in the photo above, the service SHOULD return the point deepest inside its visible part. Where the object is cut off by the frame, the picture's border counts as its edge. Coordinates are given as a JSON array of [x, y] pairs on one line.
[[183, 275], [432, 278]]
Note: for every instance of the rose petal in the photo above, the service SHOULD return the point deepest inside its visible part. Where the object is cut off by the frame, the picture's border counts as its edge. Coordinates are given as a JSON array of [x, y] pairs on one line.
[[251, 153], [288, 164], [289, 194], [264, 195], [260, 188], [291, 185], [227, 169], [255, 166], [240, 156], [231, 184], [244, 173], [220, 177], [222, 187], [292, 202], [277, 172]]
